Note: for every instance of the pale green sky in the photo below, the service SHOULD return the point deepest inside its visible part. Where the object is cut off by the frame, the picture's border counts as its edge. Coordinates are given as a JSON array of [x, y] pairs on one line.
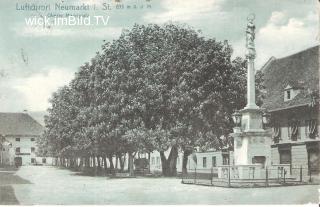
[[36, 61]]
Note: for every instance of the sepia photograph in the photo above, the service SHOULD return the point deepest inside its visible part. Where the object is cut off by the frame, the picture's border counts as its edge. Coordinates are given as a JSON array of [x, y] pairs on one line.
[[159, 102]]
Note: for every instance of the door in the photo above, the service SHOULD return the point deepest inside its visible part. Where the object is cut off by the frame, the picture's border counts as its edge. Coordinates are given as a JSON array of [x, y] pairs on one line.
[[285, 157], [18, 161], [313, 161]]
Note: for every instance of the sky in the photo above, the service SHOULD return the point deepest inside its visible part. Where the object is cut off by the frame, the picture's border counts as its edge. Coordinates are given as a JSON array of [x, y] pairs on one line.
[[37, 60]]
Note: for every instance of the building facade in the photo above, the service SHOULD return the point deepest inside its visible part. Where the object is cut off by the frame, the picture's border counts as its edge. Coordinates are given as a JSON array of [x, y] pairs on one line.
[[200, 161], [292, 97], [20, 132]]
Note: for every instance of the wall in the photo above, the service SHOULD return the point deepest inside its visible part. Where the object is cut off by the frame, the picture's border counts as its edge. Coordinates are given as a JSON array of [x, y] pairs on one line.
[[6, 156], [247, 145], [49, 160], [241, 145], [299, 156], [275, 157], [25, 145], [259, 146], [300, 113]]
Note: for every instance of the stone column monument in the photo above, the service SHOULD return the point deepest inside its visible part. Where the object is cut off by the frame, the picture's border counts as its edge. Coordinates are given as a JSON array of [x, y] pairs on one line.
[[251, 55], [252, 142]]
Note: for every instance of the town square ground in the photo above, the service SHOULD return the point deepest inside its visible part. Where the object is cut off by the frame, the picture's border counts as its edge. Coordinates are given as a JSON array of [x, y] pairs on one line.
[[50, 185]]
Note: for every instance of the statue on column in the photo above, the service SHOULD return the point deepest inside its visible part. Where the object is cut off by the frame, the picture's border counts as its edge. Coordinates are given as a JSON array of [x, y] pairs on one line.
[[250, 36]]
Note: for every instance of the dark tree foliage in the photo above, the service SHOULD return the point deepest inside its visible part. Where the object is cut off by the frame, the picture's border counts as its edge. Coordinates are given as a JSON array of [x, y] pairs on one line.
[[154, 88]]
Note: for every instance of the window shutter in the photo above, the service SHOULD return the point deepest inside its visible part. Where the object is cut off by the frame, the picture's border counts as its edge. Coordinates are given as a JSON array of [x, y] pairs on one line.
[[312, 128]]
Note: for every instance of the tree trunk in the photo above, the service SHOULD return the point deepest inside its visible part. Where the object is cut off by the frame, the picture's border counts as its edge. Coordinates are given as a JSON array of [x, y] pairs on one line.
[[105, 162], [94, 165], [117, 157], [71, 162], [122, 161], [186, 153], [130, 164], [169, 166], [149, 162], [111, 164], [164, 164], [86, 162], [81, 163], [173, 161], [99, 164]]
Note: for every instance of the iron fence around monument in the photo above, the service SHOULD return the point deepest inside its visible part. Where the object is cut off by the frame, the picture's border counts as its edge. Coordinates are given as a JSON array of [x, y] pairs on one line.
[[226, 177]]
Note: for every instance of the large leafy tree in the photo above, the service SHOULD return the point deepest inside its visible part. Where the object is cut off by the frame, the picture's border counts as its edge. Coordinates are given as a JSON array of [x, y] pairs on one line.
[[60, 132], [153, 88]]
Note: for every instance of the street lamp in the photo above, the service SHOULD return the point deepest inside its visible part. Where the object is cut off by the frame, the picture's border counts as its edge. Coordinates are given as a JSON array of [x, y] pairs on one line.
[[236, 116], [266, 119]]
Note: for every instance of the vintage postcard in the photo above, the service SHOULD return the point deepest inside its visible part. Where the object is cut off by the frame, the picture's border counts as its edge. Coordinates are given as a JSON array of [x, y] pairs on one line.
[[159, 102]]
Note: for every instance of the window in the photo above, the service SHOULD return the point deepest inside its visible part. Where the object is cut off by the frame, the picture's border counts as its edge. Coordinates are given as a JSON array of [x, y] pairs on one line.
[[152, 161], [204, 162], [18, 150], [276, 133], [291, 92], [33, 149], [293, 130], [259, 160], [32, 139], [225, 159], [214, 162], [17, 139], [311, 128], [178, 161], [158, 161], [44, 160], [33, 160], [288, 93]]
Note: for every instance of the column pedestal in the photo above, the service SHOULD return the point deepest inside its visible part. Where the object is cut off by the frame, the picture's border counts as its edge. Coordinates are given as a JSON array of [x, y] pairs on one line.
[[252, 145]]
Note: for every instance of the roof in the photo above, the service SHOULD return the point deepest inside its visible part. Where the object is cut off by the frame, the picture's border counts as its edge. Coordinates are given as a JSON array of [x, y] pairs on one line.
[[300, 71], [19, 124]]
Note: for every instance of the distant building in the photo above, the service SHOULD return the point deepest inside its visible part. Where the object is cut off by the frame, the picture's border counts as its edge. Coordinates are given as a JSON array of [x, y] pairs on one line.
[[292, 86], [201, 161], [19, 132]]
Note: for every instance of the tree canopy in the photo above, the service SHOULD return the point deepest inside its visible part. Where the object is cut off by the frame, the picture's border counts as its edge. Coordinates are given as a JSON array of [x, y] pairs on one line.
[[153, 88]]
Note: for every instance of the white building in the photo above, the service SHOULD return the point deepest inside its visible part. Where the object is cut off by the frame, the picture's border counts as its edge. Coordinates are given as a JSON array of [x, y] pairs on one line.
[[20, 132], [205, 161]]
